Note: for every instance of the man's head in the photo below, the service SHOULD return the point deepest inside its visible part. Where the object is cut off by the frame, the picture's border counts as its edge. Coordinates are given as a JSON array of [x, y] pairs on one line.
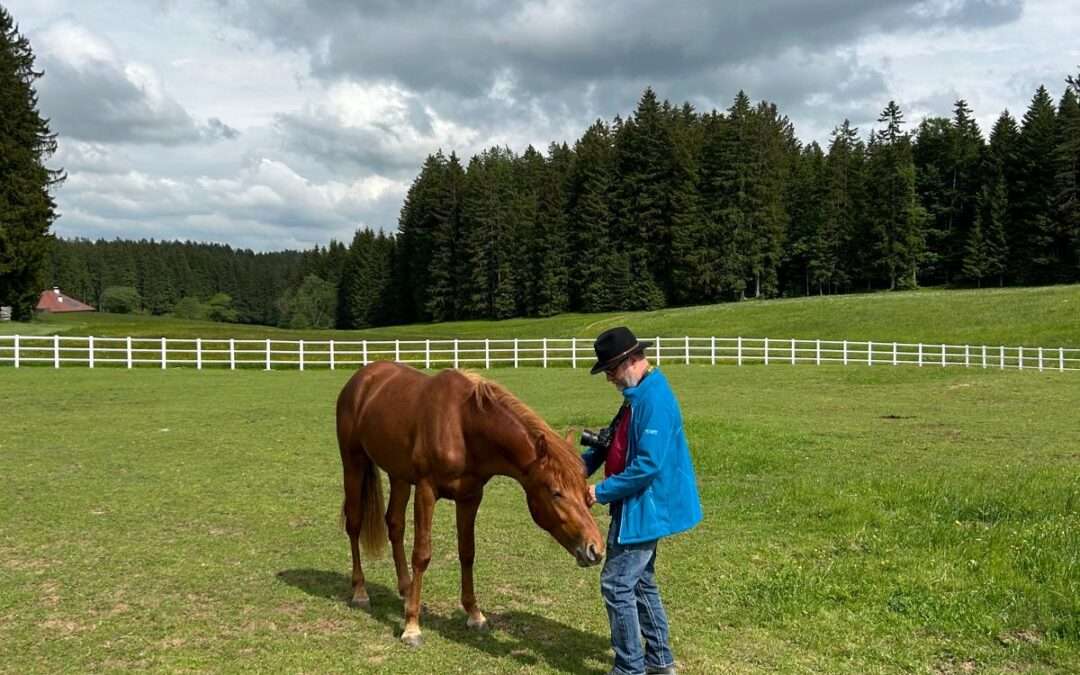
[[621, 357]]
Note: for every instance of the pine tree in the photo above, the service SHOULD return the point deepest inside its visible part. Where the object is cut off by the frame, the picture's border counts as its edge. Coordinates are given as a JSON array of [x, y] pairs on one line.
[[27, 209], [1067, 180], [594, 265], [976, 263], [643, 183], [840, 252], [550, 257], [1035, 242], [993, 209], [421, 213], [811, 244], [446, 273], [897, 217]]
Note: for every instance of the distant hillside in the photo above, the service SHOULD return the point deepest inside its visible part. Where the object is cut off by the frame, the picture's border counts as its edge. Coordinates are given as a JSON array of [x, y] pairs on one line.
[[1047, 316]]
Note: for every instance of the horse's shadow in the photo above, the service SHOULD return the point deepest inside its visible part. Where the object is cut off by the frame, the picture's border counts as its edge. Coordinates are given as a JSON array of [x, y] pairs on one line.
[[522, 636]]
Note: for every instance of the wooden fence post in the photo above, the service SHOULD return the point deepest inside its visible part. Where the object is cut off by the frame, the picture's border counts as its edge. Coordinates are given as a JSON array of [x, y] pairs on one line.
[[198, 353], [56, 351], [164, 351], [268, 353], [232, 353], [129, 352], [90, 350]]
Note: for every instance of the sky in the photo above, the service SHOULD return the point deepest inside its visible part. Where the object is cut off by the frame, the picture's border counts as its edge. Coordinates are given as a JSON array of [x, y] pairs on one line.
[[283, 124]]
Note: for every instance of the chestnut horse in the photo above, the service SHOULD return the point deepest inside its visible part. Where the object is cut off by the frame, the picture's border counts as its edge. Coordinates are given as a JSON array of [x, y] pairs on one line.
[[447, 435]]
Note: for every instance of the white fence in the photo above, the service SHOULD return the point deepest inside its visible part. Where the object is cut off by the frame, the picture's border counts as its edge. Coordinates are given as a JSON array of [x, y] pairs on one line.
[[267, 354]]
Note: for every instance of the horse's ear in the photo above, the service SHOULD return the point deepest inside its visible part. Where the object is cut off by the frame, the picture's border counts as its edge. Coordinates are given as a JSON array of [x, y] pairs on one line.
[[541, 445], [570, 437]]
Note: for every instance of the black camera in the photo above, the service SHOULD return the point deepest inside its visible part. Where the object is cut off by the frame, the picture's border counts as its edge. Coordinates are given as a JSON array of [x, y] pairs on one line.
[[600, 440]]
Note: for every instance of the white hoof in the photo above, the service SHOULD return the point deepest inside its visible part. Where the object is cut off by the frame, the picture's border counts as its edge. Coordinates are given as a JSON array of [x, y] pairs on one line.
[[478, 622]]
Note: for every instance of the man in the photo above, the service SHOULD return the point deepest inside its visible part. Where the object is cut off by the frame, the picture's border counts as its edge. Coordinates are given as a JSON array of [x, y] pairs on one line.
[[650, 487]]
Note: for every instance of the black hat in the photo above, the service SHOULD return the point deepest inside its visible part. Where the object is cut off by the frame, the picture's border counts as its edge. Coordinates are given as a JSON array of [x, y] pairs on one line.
[[613, 346]]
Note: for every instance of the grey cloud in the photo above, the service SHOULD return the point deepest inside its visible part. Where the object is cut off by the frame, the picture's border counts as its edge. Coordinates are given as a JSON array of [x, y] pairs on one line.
[[95, 101], [366, 149], [463, 48]]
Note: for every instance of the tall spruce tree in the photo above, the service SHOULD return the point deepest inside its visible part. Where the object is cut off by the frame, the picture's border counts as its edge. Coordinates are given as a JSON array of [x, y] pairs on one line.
[[1067, 180], [643, 156], [549, 257], [595, 271], [841, 255], [27, 209], [774, 149], [897, 217], [421, 214], [1036, 240], [446, 273]]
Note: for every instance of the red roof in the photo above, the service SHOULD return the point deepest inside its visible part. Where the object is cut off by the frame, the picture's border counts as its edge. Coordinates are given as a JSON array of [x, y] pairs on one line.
[[55, 301]]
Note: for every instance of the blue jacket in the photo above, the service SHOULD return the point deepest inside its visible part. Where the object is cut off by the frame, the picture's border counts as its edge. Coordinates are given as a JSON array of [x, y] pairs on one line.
[[657, 488]]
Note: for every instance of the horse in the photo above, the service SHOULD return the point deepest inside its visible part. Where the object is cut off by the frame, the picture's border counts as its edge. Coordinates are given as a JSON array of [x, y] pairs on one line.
[[447, 435]]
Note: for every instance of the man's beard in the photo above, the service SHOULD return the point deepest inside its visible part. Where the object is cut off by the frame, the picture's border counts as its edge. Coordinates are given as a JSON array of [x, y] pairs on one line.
[[627, 381]]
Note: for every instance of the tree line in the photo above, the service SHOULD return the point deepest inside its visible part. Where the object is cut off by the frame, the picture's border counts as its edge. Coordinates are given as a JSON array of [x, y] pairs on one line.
[[667, 207]]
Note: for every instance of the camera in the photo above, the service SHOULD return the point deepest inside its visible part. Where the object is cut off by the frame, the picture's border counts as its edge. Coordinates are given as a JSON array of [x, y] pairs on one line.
[[600, 440]]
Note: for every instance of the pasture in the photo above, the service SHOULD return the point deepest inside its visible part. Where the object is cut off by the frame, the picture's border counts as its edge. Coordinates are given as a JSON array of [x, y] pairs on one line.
[[858, 520]]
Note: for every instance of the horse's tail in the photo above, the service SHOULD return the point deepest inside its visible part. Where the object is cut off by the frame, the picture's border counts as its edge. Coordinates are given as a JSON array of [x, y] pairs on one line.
[[363, 505], [372, 523]]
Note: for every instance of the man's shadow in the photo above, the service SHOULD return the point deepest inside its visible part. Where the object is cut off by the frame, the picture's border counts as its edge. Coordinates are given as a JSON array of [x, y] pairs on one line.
[[529, 635]]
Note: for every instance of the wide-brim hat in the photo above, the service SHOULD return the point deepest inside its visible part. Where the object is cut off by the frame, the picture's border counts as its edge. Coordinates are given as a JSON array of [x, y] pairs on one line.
[[615, 345]]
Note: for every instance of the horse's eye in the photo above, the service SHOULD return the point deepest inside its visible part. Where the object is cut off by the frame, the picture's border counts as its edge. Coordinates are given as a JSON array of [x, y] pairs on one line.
[[556, 494]]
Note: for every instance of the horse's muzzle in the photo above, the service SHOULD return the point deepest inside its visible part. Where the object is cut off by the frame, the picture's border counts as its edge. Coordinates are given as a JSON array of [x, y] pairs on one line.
[[587, 555]]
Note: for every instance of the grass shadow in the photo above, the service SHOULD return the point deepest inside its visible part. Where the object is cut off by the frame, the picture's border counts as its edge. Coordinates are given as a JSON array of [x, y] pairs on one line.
[[526, 637]]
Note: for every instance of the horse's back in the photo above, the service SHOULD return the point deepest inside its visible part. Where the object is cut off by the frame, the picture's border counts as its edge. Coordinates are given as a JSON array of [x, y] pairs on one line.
[[389, 409]]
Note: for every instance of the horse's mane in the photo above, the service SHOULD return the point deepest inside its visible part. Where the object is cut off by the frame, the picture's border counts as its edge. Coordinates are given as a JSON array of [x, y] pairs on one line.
[[564, 462]]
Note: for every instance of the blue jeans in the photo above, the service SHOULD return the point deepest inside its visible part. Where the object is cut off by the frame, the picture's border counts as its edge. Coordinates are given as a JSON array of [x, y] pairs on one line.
[[628, 585]]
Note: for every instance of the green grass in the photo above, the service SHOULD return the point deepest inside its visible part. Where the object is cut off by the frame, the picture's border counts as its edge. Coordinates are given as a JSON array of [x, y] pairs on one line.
[[858, 520], [1046, 316]]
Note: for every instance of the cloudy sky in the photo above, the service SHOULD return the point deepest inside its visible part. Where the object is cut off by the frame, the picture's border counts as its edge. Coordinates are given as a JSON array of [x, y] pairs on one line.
[[272, 124]]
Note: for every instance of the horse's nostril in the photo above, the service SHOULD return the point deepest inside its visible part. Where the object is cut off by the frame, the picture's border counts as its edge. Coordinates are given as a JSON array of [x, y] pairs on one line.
[[593, 556]]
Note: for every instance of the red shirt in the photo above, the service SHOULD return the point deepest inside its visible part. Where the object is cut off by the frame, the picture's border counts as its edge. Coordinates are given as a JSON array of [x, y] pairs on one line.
[[616, 455]]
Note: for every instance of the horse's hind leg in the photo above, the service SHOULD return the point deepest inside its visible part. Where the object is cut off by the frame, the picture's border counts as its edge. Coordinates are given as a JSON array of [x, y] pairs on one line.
[[466, 521], [395, 525], [352, 512], [423, 510]]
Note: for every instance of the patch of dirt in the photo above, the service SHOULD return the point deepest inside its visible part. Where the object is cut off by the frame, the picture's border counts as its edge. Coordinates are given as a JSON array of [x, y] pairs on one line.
[[50, 594], [64, 627], [1015, 637]]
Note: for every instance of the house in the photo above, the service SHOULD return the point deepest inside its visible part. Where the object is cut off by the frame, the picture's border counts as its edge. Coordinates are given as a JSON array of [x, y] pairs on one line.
[[55, 301]]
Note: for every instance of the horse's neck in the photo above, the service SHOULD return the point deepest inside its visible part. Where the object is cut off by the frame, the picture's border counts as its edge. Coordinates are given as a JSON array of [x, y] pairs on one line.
[[508, 437]]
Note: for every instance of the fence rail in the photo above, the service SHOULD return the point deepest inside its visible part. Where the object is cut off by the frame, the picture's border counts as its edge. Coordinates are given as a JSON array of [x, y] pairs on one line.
[[267, 354]]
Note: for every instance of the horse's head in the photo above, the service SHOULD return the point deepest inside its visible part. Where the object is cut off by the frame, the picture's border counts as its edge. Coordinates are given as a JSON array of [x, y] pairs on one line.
[[555, 487]]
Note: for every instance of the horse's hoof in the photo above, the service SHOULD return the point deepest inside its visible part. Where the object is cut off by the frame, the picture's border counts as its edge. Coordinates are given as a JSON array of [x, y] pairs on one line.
[[360, 599], [477, 624], [414, 640]]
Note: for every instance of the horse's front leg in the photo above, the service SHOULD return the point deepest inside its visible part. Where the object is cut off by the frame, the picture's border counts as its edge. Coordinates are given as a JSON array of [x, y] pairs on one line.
[[466, 521], [423, 510], [395, 526]]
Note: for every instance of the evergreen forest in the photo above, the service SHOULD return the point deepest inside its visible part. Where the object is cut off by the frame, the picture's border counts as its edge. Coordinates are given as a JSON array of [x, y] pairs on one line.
[[666, 207]]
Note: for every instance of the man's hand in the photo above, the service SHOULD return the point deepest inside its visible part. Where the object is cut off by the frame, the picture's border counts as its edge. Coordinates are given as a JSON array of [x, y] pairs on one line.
[[590, 496]]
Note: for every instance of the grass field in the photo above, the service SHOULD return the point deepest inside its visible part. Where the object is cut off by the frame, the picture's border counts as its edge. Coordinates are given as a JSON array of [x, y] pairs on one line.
[[1048, 316], [858, 520]]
